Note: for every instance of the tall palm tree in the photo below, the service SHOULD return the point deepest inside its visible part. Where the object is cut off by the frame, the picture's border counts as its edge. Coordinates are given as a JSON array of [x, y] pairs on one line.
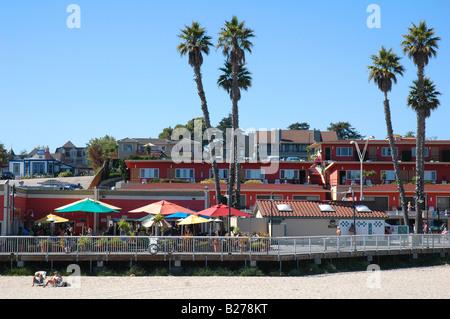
[[225, 79], [383, 71], [195, 42], [430, 96], [234, 40], [420, 44]]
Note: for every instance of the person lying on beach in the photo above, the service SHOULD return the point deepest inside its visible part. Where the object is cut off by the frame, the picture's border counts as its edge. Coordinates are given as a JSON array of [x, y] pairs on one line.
[[54, 280], [38, 278]]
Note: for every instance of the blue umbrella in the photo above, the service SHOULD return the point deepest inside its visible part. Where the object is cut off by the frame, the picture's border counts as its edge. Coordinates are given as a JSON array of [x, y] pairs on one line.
[[177, 215]]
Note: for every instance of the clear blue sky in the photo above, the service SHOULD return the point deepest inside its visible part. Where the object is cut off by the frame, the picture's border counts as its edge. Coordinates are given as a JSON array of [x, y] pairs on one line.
[[120, 74]]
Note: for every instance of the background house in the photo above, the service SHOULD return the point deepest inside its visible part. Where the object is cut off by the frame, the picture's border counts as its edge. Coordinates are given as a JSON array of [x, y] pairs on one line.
[[37, 163], [315, 218], [74, 156]]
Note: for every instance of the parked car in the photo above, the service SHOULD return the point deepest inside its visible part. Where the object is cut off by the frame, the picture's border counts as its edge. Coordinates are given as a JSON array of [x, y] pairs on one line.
[[293, 159], [8, 175]]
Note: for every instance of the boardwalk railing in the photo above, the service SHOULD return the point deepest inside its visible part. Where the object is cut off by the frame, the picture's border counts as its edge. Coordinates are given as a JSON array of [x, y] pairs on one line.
[[220, 245]]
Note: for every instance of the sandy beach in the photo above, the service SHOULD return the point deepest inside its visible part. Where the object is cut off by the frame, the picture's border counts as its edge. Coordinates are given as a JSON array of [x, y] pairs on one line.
[[413, 283]]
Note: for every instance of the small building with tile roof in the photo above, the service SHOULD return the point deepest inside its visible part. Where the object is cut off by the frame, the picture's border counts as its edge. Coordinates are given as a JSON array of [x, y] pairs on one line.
[[317, 218]]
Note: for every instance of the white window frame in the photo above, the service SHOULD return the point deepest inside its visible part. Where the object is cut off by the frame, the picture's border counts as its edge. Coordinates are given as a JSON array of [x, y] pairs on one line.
[[352, 175], [390, 175], [339, 151], [425, 152], [429, 176], [181, 173], [149, 173], [386, 151], [289, 173], [223, 173], [251, 174]]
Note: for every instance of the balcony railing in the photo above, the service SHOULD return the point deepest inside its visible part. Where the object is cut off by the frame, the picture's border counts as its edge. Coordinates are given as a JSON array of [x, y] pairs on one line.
[[220, 245]]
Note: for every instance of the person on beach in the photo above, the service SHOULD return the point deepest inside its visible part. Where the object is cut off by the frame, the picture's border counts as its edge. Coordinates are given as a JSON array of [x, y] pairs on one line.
[[38, 278], [54, 280]]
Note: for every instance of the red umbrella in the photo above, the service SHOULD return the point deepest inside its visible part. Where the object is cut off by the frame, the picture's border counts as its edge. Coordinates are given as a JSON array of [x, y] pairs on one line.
[[162, 207], [222, 210]]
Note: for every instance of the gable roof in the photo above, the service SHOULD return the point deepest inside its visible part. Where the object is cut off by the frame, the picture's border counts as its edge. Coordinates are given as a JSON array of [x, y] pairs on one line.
[[311, 209]]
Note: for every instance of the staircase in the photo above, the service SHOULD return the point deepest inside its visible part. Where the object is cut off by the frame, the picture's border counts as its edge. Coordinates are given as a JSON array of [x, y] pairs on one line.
[[315, 176]]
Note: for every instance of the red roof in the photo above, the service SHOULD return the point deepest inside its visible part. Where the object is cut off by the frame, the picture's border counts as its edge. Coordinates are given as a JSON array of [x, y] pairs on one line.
[[310, 209], [407, 188], [211, 187]]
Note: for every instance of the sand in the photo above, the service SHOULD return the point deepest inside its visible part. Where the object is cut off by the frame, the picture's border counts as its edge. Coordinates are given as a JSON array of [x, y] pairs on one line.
[[412, 283]]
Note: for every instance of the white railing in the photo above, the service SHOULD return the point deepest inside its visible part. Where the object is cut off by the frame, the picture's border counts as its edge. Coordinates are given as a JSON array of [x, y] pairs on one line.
[[219, 245]]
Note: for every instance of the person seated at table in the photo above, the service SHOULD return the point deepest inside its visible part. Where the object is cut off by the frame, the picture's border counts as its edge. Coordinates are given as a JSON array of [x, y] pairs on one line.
[[54, 280]]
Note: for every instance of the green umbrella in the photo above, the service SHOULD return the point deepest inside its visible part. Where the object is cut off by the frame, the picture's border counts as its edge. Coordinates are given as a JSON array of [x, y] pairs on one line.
[[89, 206]]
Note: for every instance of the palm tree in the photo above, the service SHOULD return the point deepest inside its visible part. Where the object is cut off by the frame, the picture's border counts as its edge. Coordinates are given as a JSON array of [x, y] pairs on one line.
[[383, 71], [195, 42], [420, 44], [225, 79], [430, 96], [234, 40]]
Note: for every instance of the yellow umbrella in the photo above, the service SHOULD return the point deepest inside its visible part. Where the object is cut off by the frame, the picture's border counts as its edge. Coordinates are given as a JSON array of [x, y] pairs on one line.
[[194, 219], [50, 218]]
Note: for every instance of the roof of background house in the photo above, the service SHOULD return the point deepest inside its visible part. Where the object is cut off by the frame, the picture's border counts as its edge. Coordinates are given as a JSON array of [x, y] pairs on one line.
[[310, 209], [301, 136]]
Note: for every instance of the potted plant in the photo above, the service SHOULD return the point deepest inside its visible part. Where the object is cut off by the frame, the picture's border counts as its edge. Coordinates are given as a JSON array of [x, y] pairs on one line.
[[102, 244], [83, 243]]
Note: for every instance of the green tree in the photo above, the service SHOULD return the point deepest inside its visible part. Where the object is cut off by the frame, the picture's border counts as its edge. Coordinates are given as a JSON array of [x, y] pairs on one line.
[[420, 44], [345, 131], [383, 71], [299, 126], [101, 150], [3, 154], [194, 43], [234, 40]]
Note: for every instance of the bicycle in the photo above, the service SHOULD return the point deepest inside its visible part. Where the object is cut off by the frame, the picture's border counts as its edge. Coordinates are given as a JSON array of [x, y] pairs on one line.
[[154, 247]]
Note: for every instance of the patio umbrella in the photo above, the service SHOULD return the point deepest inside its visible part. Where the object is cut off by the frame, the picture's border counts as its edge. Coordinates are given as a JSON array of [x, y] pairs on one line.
[[222, 210], [150, 221], [177, 216], [89, 206], [194, 219], [162, 207], [50, 218]]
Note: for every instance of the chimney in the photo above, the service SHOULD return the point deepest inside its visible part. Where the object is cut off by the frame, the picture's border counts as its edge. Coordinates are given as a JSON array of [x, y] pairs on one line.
[[47, 153]]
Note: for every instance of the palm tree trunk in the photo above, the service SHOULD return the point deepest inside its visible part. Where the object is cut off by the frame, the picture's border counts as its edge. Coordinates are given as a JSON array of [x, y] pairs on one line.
[[420, 146], [387, 114], [201, 94], [235, 125]]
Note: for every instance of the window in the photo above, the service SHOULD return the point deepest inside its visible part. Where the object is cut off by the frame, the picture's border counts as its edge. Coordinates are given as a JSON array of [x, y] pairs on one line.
[[16, 169], [351, 175], [74, 153], [254, 174], [301, 197], [127, 147], [275, 197], [289, 174], [344, 151], [390, 175], [149, 172], [184, 173], [429, 176], [425, 152], [223, 173], [386, 151]]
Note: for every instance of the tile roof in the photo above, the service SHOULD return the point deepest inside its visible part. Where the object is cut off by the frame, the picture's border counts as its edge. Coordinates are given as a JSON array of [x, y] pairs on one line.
[[310, 209]]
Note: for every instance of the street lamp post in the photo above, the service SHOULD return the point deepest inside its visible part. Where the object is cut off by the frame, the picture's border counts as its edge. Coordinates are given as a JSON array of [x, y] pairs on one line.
[[361, 160], [271, 214]]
